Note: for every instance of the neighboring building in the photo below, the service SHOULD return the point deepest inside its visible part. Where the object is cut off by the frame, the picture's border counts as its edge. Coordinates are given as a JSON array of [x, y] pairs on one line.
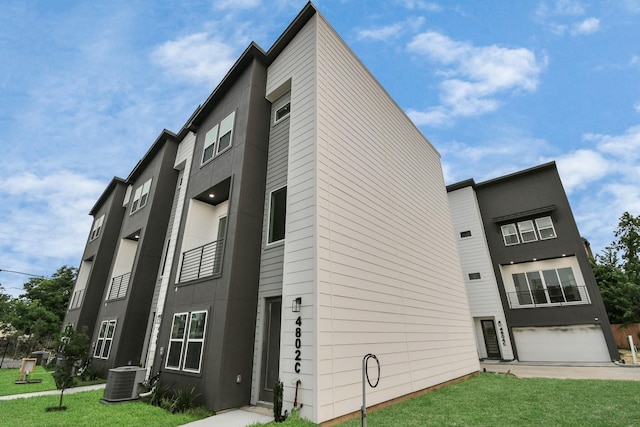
[[297, 222], [532, 293]]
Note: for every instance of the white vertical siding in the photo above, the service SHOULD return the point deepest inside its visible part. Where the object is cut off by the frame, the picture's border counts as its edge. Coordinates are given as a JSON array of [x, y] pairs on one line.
[[484, 299], [389, 279], [182, 163], [297, 65]]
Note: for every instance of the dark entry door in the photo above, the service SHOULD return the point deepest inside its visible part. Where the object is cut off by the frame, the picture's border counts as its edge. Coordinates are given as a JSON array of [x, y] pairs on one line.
[[490, 339], [270, 348]]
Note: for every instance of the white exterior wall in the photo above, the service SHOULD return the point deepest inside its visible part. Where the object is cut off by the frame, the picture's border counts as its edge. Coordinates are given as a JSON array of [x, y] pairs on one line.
[[297, 65], [484, 298], [388, 272]]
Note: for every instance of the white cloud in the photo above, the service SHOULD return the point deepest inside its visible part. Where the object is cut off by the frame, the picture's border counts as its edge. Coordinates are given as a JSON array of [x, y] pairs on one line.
[[558, 8], [433, 117], [588, 26], [474, 76], [636, 107], [421, 5], [582, 167], [382, 33], [625, 146], [198, 57], [236, 4]]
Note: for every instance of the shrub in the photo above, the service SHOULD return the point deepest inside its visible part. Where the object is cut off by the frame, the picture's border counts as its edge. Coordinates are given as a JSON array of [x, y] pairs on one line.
[[184, 399], [278, 391]]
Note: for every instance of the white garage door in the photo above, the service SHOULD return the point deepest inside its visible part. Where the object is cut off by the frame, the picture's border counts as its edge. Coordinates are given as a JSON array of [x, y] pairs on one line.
[[577, 343]]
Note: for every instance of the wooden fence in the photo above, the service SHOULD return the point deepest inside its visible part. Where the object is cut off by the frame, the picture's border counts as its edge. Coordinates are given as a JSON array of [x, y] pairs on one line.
[[620, 334]]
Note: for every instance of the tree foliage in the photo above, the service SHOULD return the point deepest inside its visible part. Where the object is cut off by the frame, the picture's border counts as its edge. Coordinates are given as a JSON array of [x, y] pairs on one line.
[[40, 310], [619, 277], [74, 347]]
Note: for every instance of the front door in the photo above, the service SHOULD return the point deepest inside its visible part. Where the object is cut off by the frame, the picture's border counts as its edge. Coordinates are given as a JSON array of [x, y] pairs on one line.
[[490, 339], [270, 348]]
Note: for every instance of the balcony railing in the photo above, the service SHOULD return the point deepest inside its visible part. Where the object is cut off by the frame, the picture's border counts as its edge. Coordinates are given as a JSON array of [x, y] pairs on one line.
[[551, 296], [202, 261], [119, 286]]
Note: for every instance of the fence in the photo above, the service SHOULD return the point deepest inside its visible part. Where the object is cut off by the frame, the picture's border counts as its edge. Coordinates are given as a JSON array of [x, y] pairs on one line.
[[620, 334]]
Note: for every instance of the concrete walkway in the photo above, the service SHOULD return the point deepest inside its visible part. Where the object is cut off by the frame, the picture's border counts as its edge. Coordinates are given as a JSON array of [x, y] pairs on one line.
[[54, 392], [242, 417], [582, 371]]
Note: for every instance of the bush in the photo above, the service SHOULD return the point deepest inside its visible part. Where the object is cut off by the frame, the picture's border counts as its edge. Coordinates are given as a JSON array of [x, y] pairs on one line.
[[278, 391]]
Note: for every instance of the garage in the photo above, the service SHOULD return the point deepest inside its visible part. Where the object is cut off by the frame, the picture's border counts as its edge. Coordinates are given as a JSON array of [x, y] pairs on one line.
[[575, 343]]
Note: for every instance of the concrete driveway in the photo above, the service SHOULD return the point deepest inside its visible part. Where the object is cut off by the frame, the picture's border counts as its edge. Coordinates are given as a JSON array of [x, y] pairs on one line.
[[593, 371]]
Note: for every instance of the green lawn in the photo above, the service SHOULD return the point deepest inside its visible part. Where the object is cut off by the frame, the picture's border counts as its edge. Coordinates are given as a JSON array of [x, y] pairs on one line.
[[504, 400], [84, 409], [9, 376]]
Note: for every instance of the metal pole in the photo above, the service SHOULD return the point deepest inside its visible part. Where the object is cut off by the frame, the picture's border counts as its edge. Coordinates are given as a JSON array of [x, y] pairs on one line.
[[363, 416]]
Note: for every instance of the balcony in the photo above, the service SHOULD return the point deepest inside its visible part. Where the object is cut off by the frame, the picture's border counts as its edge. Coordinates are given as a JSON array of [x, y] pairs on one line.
[[202, 261], [119, 286], [552, 296]]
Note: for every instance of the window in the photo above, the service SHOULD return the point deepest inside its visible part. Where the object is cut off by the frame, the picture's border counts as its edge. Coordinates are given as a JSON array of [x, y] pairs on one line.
[[527, 232], [545, 228], [97, 226], [141, 196], [219, 138], [76, 299], [186, 342], [510, 235], [105, 338], [464, 234], [282, 112], [277, 215], [546, 287], [209, 144], [474, 276]]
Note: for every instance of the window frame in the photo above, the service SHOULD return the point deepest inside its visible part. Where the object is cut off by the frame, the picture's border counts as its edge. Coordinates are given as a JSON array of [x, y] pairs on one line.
[[465, 234], [141, 196], [277, 119], [106, 333], [186, 339], [475, 276], [504, 236], [97, 227], [214, 136], [529, 232], [232, 118], [550, 227], [271, 216]]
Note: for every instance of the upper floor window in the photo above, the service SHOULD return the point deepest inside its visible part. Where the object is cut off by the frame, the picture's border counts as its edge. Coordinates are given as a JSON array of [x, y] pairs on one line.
[[141, 196], [219, 138], [277, 215], [541, 287], [528, 231], [282, 112], [97, 226], [464, 234]]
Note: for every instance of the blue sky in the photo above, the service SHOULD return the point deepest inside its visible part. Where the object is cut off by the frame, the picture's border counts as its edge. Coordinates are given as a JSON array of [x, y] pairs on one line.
[[86, 87]]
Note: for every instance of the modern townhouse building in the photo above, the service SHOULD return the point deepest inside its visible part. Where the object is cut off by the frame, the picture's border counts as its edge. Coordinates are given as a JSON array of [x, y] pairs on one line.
[[303, 225], [532, 293]]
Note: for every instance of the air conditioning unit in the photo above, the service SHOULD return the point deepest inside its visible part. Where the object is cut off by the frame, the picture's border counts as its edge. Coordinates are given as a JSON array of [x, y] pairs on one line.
[[123, 383]]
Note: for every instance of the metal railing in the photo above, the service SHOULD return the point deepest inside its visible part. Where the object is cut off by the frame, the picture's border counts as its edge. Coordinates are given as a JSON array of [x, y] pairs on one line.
[[549, 297], [119, 286], [202, 261]]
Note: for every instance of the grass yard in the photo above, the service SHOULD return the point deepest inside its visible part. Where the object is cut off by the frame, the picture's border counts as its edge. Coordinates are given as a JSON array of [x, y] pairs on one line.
[[504, 400], [9, 376], [84, 409]]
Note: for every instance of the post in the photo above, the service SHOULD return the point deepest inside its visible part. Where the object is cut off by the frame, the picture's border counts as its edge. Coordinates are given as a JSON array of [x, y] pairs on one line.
[[633, 350], [363, 412]]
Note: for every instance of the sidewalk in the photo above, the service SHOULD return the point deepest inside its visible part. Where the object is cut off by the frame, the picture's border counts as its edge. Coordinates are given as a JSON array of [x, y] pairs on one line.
[[582, 371], [54, 392]]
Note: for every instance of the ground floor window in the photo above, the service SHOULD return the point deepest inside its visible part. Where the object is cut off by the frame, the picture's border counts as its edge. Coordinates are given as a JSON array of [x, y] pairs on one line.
[[105, 338], [186, 342]]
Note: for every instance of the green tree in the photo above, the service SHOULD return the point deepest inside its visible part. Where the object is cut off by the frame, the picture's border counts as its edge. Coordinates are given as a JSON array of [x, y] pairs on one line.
[[619, 277], [74, 347], [41, 309]]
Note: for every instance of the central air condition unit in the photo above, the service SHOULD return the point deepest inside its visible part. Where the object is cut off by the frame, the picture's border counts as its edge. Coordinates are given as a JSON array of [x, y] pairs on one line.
[[123, 383]]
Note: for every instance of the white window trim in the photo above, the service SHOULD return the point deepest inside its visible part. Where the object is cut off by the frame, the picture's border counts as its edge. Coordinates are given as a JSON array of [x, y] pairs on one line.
[[504, 236], [104, 338], [97, 227], [181, 340], [213, 136], [277, 120], [185, 340], [274, 242], [223, 127], [532, 231], [189, 340], [210, 139], [552, 227], [139, 196]]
